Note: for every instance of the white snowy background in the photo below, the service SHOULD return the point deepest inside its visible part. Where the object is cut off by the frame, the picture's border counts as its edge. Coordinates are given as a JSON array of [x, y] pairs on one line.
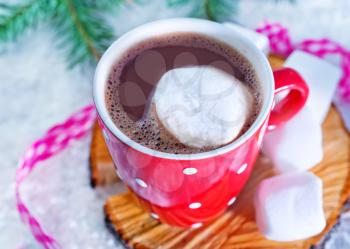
[[37, 91]]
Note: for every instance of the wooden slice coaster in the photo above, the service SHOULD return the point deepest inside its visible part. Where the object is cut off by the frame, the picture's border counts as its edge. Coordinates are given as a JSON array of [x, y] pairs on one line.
[[236, 228], [102, 171]]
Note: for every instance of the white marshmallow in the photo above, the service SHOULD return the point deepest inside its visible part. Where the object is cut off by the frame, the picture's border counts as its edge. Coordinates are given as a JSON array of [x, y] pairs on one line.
[[202, 106], [321, 77], [290, 207], [297, 145]]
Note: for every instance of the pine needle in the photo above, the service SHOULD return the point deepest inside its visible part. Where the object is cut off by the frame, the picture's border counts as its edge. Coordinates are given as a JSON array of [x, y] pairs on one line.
[[16, 19], [175, 3], [81, 31], [218, 10], [215, 10], [105, 5]]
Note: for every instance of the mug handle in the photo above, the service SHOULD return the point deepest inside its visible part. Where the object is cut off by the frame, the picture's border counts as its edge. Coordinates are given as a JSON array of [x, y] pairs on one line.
[[287, 79]]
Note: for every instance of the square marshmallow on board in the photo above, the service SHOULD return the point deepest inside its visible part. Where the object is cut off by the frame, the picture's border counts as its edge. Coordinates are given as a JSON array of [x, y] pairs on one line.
[[297, 145], [290, 207], [321, 77]]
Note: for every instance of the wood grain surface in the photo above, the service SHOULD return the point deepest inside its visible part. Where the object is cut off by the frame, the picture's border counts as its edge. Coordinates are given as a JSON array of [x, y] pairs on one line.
[[236, 228], [102, 171]]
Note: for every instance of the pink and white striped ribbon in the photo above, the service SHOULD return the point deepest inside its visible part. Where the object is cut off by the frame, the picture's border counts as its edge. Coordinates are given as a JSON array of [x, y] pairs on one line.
[[54, 141], [281, 43]]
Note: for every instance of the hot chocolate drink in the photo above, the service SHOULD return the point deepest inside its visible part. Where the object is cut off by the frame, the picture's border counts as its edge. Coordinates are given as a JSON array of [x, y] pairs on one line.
[[134, 78]]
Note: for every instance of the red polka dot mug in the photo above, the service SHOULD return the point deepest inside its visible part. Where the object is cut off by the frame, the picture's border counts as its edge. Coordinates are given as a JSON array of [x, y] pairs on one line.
[[188, 190]]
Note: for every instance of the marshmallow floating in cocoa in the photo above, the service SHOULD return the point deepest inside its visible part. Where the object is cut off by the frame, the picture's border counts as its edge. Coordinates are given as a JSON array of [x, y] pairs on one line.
[[202, 106]]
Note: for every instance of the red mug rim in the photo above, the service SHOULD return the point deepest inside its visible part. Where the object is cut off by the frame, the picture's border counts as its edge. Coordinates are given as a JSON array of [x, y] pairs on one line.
[[205, 27]]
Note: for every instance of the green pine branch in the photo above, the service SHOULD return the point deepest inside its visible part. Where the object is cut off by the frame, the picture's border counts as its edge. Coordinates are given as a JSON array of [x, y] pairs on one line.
[[104, 5], [80, 28], [81, 31], [217, 10], [16, 19]]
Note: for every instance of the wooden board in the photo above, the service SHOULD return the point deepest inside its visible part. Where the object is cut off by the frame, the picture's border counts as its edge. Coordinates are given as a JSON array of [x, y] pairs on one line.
[[102, 171], [236, 228]]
